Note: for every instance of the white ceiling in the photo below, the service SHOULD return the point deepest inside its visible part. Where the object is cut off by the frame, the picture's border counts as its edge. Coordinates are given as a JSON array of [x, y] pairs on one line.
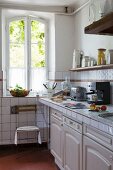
[[74, 3]]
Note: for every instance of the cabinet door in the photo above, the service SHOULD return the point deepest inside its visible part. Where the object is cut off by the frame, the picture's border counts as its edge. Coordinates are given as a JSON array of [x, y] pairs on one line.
[[95, 156], [57, 140], [73, 149]]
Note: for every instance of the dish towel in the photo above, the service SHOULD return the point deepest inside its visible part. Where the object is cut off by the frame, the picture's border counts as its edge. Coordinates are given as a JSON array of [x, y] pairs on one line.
[[27, 129]]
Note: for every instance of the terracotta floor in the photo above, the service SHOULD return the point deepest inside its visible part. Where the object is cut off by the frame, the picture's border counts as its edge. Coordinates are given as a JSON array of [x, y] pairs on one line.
[[31, 159]]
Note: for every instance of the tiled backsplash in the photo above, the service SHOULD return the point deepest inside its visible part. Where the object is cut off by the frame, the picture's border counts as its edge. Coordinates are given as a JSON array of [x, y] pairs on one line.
[[82, 78]]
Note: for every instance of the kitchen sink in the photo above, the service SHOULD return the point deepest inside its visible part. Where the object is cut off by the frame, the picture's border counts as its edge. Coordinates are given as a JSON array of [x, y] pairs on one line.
[[73, 105], [106, 115]]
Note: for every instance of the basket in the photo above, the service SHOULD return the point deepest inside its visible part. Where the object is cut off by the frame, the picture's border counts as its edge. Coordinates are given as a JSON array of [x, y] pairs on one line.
[[19, 93]]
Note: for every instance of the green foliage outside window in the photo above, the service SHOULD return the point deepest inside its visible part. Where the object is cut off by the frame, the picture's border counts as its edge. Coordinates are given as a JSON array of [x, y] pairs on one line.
[[17, 43]]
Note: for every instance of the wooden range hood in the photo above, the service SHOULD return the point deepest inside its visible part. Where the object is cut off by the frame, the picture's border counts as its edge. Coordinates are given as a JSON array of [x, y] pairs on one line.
[[104, 26]]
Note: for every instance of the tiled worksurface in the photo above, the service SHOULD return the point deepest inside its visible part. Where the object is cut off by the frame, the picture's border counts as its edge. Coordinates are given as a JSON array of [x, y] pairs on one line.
[[83, 115]]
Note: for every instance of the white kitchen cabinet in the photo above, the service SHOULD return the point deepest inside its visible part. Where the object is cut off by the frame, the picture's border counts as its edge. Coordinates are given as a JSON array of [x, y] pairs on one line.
[[96, 156], [57, 138], [73, 149]]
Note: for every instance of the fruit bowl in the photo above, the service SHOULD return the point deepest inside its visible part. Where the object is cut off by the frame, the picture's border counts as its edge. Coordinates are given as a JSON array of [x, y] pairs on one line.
[[19, 93]]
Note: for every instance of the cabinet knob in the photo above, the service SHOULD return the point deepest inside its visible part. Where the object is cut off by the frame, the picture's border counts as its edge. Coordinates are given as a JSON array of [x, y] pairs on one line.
[[71, 123], [61, 124], [111, 158]]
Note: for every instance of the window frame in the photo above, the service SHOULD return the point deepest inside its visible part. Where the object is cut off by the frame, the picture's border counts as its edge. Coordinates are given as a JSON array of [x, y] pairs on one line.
[[27, 56]]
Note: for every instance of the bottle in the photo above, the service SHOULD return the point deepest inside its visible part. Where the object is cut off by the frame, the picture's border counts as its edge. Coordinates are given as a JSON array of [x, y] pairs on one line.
[[74, 61], [110, 56], [101, 57], [66, 86]]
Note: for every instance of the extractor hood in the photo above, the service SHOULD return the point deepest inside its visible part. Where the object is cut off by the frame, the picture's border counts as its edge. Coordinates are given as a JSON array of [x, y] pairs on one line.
[[104, 26]]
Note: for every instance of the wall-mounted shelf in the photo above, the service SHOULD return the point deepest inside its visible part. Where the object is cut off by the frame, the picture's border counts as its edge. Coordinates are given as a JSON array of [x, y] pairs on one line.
[[104, 26], [100, 67]]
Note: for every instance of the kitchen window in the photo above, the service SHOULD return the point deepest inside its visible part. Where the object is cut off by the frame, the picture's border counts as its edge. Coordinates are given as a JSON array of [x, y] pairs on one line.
[[26, 61]]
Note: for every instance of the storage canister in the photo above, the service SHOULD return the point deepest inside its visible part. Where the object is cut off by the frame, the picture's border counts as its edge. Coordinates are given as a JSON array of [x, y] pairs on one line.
[[101, 56], [86, 61], [110, 56]]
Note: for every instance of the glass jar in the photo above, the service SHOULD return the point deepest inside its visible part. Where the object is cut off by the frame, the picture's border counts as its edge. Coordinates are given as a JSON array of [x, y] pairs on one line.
[[109, 56], [101, 57], [86, 62]]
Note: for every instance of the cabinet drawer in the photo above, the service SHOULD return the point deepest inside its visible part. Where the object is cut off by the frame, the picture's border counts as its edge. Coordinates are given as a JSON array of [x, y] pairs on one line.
[[99, 136], [56, 114], [72, 124]]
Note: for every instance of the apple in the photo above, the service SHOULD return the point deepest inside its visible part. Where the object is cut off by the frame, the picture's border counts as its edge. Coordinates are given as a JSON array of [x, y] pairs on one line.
[[97, 109], [103, 107]]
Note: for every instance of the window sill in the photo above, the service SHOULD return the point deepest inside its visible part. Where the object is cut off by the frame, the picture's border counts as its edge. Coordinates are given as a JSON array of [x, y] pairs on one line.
[[29, 96]]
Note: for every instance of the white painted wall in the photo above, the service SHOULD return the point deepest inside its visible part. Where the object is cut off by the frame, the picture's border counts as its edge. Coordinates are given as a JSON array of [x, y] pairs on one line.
[[52, 45], [64, 42], [89, 43]]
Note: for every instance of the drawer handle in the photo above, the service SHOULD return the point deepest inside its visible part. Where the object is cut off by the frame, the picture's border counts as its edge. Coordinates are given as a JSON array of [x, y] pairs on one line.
[[61, 124]]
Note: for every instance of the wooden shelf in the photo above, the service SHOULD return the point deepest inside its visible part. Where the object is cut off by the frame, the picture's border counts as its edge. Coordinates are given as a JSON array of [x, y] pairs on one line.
[[100, 67], [103, 26]]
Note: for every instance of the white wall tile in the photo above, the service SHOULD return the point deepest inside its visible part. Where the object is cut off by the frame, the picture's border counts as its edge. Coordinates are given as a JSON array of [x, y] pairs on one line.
[[5, 110], [31, 117], [51, 75], [14, 118], [22, 124], [6, 127], [6, 102], [58, 75], [66, 74], [12, 136], [5, 142], [31, 100], [14, 101], [13, 126], [5, 118], [5, 136], [23, 101], [23, 117], [40, 117], [31, 123]]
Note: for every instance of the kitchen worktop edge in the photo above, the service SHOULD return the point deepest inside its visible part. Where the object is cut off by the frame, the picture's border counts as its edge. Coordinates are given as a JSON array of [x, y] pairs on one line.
[[82, 115]]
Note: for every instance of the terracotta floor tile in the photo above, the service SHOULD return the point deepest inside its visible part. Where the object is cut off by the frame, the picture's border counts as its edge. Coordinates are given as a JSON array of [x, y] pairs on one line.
[[28, 160]]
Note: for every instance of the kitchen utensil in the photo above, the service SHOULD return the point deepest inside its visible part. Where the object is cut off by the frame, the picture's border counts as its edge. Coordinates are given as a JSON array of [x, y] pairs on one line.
[[78, 93], [45, 85], [54, 85]]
